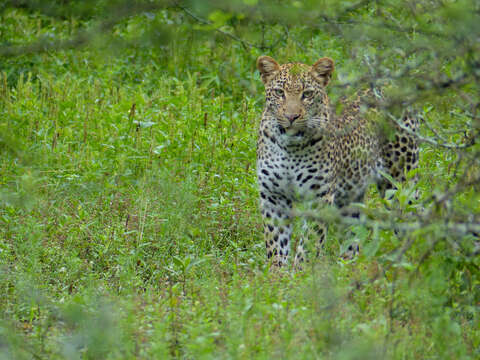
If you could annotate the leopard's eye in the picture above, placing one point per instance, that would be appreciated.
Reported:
(279, 92)
(307, 94)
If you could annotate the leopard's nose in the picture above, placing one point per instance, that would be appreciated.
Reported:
(292, 117)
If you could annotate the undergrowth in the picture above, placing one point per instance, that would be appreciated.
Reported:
(130, 229)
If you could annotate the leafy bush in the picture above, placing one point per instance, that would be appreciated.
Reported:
(128, 203)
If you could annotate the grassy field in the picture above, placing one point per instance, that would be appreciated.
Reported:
(129, 223)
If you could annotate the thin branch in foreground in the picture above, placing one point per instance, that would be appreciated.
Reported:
(45, 45)
(461, 228)
(429, 140)
(245, 44)
(82, 38)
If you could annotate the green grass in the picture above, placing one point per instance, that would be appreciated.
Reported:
(129, 225)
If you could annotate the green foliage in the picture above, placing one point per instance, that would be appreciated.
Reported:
(129, 225)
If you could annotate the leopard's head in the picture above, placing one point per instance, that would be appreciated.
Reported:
(295, 92)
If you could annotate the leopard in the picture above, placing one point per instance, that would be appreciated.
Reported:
(306, 153)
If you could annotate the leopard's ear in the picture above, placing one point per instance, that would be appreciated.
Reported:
(323, 69)
(267, 67)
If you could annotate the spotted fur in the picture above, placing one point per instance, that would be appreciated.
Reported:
(305, 153)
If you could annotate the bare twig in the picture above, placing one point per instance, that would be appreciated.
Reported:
(430, 141)
(244, 43)
(82, 38)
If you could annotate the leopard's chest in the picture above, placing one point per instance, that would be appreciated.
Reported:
(297, 173)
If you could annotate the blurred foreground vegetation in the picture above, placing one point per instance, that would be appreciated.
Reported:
(129, 225)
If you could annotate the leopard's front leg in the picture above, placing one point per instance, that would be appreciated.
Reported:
(276, 213)
(316, 231)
